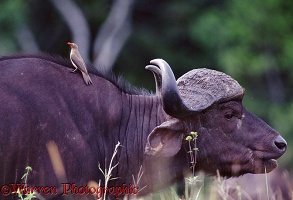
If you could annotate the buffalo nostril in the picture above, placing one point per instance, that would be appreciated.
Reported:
(280, 143)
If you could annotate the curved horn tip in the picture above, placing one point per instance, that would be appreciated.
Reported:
(153, 68)
(150, 67)
(157, 61)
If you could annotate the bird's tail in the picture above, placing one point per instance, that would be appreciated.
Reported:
(86, 78)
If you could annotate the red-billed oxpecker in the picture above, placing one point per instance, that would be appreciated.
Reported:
(78, 63)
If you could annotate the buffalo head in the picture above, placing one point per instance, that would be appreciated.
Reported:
(230, 139)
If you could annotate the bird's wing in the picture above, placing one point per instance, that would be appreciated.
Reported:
(78, 61)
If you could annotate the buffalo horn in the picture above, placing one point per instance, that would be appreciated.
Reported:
(167, 88)
(158, 77)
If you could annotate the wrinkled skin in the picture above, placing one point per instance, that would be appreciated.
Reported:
(230, 139)
(41, 102)
(249, 144)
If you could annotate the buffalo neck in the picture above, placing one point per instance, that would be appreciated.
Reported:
(140, 114)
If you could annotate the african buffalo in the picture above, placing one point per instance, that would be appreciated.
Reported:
(42, 103)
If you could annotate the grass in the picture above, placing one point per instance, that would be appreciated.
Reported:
(197, 186)
(202, 187)
(23, 194)
(107, 173)
(192, 149)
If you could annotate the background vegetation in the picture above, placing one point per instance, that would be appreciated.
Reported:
(250, 40)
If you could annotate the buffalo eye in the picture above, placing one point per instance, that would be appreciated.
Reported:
(229, 116)
(231, 110)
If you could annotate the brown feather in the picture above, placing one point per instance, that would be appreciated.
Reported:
(77, 60)
(78, 63)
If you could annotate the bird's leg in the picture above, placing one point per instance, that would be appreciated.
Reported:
(73, 71)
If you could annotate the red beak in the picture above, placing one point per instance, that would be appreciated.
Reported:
(70, 44)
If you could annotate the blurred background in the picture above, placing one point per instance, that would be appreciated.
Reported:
(250, 40)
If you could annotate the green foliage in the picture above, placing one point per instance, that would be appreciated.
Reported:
(188, 138)
(26, 195)
(281, 118)
(12, 15)
(191, 138)
(242, 35)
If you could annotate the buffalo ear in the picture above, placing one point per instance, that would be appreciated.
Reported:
(165, 140)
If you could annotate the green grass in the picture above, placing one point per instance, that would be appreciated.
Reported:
(22, 194)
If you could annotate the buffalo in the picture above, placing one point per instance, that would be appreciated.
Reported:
(42, 104)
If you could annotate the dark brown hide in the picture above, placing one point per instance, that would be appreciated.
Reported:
(42, 103)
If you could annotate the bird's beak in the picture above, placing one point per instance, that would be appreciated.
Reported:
(70, 44)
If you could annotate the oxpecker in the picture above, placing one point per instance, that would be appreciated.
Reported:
(78, 63)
